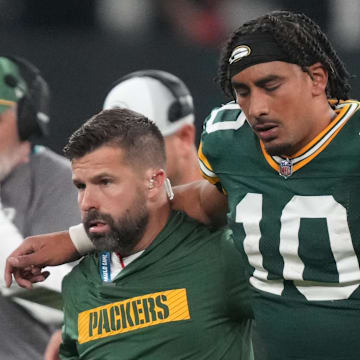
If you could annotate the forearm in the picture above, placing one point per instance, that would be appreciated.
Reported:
(38, 252)
(201, 201)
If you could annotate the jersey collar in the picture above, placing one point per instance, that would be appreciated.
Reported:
(344, 110)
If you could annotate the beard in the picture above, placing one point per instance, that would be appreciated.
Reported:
(284, 149)
(124, 233)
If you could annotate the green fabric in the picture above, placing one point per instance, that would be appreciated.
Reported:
(300, 235)
(185, 257)
(43, 296)
(8, 92)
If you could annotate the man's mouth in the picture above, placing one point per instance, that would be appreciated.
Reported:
(97, 226)
(266, 132)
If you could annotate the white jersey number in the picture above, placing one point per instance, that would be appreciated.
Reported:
(249, 213)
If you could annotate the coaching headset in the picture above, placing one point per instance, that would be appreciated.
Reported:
(181, 106)
(33, 106)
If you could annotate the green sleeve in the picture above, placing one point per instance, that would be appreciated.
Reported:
(237, 290)
(68, 347)
(235, 279)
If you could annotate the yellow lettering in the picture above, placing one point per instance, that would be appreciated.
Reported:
(114, 321)
(160, 302)
(93, 322)
(133, 314)
(152, 309)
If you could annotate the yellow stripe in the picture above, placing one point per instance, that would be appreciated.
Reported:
(7, 102)
(323, 133)
(204, 160)
(302, 163)
(268, 158)
(305, 161)
(133, 314)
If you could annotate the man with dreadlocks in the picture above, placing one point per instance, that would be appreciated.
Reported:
(285, 155)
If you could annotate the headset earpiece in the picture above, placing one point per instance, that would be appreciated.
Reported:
(33, 106)
(182, 105)
(175, 111)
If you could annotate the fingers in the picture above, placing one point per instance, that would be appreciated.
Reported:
(37, 259)
(8, 276)
(26, 278)
(15, 265)
(39, 251)
(12, 262)
(22, 258)
(22, 281)
(23, 268)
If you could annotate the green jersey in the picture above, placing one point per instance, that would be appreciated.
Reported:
(177, 300)
(297, 223)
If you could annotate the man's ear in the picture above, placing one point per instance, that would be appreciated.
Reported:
(187, 134)
(319, 76)
(155, 181)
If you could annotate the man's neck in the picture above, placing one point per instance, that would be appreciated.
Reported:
(192, 172)
(158, 218)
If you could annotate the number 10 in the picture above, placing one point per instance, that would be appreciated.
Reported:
(249, 213)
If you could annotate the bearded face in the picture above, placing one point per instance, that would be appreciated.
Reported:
(120, 235)
(113, 197)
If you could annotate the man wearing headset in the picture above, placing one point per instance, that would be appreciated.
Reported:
(32, 180)
(166, 100)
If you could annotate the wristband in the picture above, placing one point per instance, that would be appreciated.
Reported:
(80, 239)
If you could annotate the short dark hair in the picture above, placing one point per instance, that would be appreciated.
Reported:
(127, 129)
(303, 41)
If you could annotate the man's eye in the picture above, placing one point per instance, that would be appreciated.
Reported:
(105, 181)
(80, 186)
(272, 87)
(241, 94)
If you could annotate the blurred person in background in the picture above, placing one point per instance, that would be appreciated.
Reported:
(36, 196)
(166, 100)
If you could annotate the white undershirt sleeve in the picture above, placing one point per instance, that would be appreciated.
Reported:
(80, 239)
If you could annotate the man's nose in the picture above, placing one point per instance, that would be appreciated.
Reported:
(87, 200)
(259, 105)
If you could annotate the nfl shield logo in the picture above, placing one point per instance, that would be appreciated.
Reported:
(286, 168)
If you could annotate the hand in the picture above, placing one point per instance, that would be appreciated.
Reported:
(53, 346)
(36, 252)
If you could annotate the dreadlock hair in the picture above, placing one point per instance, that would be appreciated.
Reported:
(303, 41)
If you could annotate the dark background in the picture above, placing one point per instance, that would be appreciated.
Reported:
(83, 46)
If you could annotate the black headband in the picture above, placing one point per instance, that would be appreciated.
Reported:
(252, 49)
